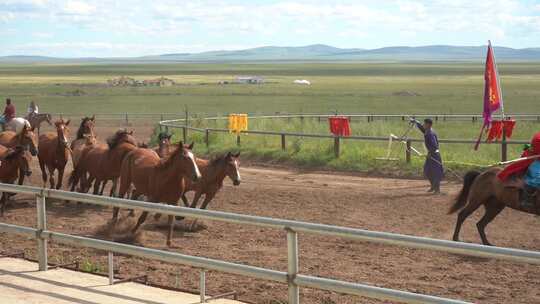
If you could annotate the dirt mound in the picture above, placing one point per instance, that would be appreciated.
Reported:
(406, 93)
(121, 231)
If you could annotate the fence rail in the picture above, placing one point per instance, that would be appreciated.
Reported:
(292, 278)
(337, 139)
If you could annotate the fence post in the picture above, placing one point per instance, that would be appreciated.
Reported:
(110, 266)
(202, 286)
(336, 146)
(207, 137)
(41, 201)
(283, 146)
(238, 140)
(127, 120)
(408, 151)
(292, 266)
(184, 134)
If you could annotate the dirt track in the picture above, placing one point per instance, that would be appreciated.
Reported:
(391, 205)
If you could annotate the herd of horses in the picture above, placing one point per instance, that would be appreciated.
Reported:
(167, 172)
(163, 174)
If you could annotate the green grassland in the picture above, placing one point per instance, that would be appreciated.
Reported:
(347, 87)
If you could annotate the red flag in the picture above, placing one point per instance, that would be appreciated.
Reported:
(492, 91)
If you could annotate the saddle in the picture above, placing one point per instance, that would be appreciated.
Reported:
(516, 182)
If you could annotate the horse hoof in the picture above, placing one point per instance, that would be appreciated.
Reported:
(169, 244)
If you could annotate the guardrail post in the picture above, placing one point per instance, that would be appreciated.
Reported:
(202, 286)
(41, 201)
(336, 146)
(283, 146)
(207, 137)
(408, 151)
(292, 266)
(110, 267)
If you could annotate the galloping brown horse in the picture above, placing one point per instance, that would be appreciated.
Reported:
(26, 138)
(213, 173)
(13, 161)
(36, 120)
(103, 163)
(54, 153)
(486, 189)
(85, 137)
(160, 180)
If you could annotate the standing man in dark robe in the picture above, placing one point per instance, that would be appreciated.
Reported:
(433, 167)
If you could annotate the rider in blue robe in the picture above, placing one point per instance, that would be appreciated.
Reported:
(433, 167)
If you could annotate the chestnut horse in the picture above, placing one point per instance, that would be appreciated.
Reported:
(85, 138)
(161, 180)
(213, 173)
(54, 153)
(13, 161)
(103, 163)
(26, 138)
(486, 189)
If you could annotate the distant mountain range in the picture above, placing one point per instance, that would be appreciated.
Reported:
(316, 52)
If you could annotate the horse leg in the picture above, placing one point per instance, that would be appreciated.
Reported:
(21, 176)
(196, 199)
(97, 182)
(141, 220)
(134, 196)
(43, 172)
(51, 176)
(463, 215)
(185, 200)
(2, 204)
(113, 188)
(103, 184)
(207, 199)
(60, 178)
(493, 208)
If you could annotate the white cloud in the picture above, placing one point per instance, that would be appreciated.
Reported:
(78, 8)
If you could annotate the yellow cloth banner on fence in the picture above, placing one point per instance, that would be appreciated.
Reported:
(238, 123)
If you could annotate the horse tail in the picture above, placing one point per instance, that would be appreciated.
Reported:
(461, 199)
(125, 175)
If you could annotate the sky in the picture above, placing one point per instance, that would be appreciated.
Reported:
(119, 28)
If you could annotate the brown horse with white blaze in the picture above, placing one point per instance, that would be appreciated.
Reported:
(12, 162)
(161, 180)
(213, 173)
(487, 190)
(103, 163)
(54, 153)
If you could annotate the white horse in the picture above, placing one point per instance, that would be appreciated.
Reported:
(16, 125)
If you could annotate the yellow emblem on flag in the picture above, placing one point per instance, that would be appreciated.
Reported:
(238, 123)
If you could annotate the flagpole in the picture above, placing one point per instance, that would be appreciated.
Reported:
(499, 88)
(504, 147)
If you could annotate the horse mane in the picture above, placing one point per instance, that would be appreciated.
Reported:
(80, 132)
(216, 160)
(116, 139)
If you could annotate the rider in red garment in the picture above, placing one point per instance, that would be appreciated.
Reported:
(9, 113)
(520, 167)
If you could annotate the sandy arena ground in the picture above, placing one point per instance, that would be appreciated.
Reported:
(382, 204)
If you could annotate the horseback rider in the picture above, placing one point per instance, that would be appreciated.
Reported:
(32, 110)
(433, 167)
(530, 170)
(9, 114)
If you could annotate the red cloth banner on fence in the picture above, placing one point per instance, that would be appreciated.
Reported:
(339, 126)
(496, 129)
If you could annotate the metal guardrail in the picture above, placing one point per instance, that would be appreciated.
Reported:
(292, 278)
(337, 139)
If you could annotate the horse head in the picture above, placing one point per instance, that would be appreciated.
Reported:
(121, 136)
(27, 139)
(23, 159)
(185, 160)
(232, 167)
(62, 131)
(86, 127)
(48, 119)
(164, 140)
